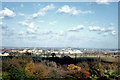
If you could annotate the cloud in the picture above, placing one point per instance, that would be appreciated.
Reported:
(73, 38)
(105, 31)
(3, 26)
(45, 32)
(102, 2)
(111, 24)
(53, 22)
(113, 32)
(23, 23)
(110, 28)
(41, 21)
(6, 31)
(21, 14)
(1, 23)
(36, 5)
(33, 29)
(7, 13)
(95, 28)
(101, 29)
(25, 35)
(72, 10)
(43, 11)
(105, 34)
(62, 33)
(22, 5)
(79, 27)
(48, 7)
(21, 33)
(40, 13)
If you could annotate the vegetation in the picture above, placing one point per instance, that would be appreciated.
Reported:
(23, 67)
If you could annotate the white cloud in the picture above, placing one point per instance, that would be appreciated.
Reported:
(35, 15)
(3, 26)
(62, 33)
(6, 30)
(22, 5)
(7, 13)
(48, 7)
(21, 33)
(113, 32)
(28, 17)
(41, 21)
(79, 27)
(45, 32)
(72, 10)
(21, 14)
(110, 28)
(105, 34)
(23, 23)
(104, 31)
(102, 2)
(53, 22)
(111, 24)
(33, 29)
(86, 12)
(1, 23)
(43, 11)
(13, 8)
(95, 28)
(65, 9)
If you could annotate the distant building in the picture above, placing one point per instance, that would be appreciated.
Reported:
(66, 51)
(4, 53)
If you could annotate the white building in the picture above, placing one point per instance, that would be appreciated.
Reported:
(4, 53)
(67, 51)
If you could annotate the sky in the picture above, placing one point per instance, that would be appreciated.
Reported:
(59, 24)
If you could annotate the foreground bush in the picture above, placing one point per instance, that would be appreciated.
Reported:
(36, 71)
(14, 74)
(23, 68)
(73, 67)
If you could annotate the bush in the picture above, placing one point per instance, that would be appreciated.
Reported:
(82, 75)
(73, 67)
(5, 76)
(36, 70)
(14, 74)
(84, 66)
(18, 62)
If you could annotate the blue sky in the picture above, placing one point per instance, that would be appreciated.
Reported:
(52, 24)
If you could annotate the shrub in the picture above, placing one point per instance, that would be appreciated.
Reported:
(52, 64)
(82, 75)
(49, 63)
(54, 73)
(18, 62)
(29, 69)
(36, 71)
(5, 76)
(40, 71)
(84, 66)
(6, 64)
(73, 67)
(15, 74)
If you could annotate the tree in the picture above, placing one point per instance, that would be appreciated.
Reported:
(16, 74)
(36, 71)
(53, 54)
